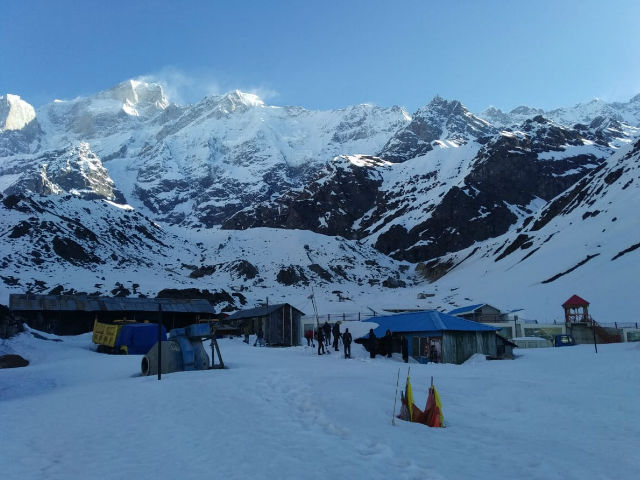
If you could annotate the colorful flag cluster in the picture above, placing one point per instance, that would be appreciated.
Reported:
(431, 416)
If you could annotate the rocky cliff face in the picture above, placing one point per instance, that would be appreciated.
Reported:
(76, 170)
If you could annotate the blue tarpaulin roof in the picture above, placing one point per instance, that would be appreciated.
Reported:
(427, 321)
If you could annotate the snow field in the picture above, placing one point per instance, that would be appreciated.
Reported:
(287, 413)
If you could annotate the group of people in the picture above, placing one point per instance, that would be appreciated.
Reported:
(385, 344)
(323, 336)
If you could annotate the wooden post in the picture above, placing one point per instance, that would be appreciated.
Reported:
(159, 341)
(595, 345)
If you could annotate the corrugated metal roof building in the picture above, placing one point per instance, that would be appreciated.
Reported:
(438, 337)
(280, 323)
(74, 314)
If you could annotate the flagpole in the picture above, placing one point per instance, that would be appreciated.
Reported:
(395, 399)
(409, 397)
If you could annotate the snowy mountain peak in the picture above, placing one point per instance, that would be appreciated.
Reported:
(137, 97)
(528, 111)
(15, 113)
(248, 99)
(442, 105)
(235, 101)
(440, 122)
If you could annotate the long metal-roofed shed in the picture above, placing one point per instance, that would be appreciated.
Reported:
(74, 314)
(280, 323)
(438, 337)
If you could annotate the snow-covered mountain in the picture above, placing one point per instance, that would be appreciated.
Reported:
(440, 123)
(586, 238)
(583, 113)
(440, 201)
(250, 200)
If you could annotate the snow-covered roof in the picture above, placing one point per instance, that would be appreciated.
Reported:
(467, 309)
(426, 321)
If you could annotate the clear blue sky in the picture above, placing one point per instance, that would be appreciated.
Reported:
(328, 54)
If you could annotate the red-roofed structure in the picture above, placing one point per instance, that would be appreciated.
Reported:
(576, 301)
(576, 309)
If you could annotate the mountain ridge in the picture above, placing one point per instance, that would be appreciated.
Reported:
(391, 195)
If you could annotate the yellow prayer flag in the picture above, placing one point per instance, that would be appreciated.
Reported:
(409, 395)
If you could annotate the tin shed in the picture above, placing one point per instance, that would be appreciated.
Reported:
(75, 314)
(279, 322)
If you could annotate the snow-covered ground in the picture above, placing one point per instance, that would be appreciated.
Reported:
(564, 413)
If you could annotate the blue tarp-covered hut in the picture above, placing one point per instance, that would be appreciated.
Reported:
(438, 337)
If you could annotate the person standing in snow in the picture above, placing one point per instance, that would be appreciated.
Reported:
(372, 343)
(320, 341)
(346, 341)
(259, 338)
(336, 336)
(404, 349)
(245, 330)
(387, 341)
(327, 333)
(433, 353)
(308, 334)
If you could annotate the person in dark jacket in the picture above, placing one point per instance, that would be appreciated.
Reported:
(320, 341)
(336, 336)
(346, 341)
(259, 338)
(404, 343)
(327, 333)
(388, 343)
(372, 343)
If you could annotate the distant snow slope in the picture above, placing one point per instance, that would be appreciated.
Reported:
(585, 240)
(289, 414)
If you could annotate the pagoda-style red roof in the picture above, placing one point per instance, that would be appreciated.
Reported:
(576, 301)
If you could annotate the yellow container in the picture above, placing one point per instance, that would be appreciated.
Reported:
(105, 334)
